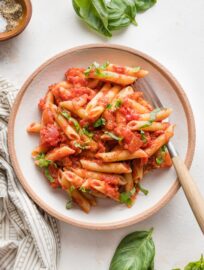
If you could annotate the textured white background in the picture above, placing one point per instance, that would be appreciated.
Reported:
(173, 33)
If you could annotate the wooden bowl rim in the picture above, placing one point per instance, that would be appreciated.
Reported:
(15, 32)
(129, 221)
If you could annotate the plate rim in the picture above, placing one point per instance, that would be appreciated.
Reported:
(129, 221)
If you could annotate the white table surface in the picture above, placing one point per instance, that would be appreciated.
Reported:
(173, 33)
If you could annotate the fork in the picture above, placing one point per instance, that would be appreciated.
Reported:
(190, 188)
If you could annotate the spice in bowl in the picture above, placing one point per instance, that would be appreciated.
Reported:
(11, 13)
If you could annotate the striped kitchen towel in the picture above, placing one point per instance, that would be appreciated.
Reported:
(29, 238)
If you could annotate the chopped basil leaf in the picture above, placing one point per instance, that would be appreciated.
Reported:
(83, 189)
(118, 103)
(86, 131)
(136, 69)
(75, 122)
(148, 123)
(42, 162)
(164, 148)
(69, 203)
(143, 137)
(66, 115)
(105, 65)
(159, 160)
(48, 175)
(143, 190)
(113, 136)
(72, 188)
(95, 66)
(100, 122)
(78, 145)
(108, 106)
(125, 197)
(153, 114)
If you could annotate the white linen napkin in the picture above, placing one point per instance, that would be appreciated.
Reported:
(29, 238)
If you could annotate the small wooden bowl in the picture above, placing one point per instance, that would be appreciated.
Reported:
(27, 12)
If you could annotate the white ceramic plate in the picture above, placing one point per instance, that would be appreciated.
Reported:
(162, 184)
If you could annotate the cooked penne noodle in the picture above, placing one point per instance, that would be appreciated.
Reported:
(130, 184)
(89, 197)
(120, 155)
(135, 71)
(146, 125)
(96, 107)
(59, 153)
(81, 112)
(116, 168)
(160, 141)
(109, 76)
(161, 115)
(109, 178)
(39, 149)
(66, 127)
(137, 106)
(137, 170)
(93, 83)
(49, 99)
(34, 128)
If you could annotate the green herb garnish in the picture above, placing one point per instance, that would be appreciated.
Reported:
(42, 162)
(66, 115)
(71, 119)
(78, 145)
(159, 160)
(113, 136)
(108, 106)
(83, 189)
(118, 103)
(153, 114)
(48, 175)
(72, 188)
(199, 265)
(125, 197)
(143, 137)
(148, 124)
(100, 122)
(143, 190)
(85, 131)
(136, 69)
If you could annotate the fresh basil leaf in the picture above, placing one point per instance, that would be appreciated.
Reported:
(143, 137)
(121, 14)
(113, 136)
(143, 5)
(118, 103)
(199, 265)
(83, 189)
(148, 124)
(69, 203)
(159, 160)
(108, 106)
(86, 131)
(66, 115)
(48, 175)
(135, 252)
(100, 122)
(94, 13)
(153, 114)
(125, 197)
(78, 145)
(143, 190)
(136, 69)
(42, 162)
(72, 188)
(164, 148)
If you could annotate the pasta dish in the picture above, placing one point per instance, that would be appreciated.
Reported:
(99, 136)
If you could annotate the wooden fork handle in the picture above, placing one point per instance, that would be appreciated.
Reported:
(190, 188)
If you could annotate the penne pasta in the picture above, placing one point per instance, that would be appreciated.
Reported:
(115, 168)
(135, 71)
(137, 170)
(119, 155)
(161, 115)
(34, 128)
(160, 140)
(59, 153)
(109, 178)
(81, 112)
(39, 149)
(137, 106)
(146, 125)
(109, 76)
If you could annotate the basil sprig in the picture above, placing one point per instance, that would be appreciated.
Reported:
(135, 252)
(199, 265)
(113, 136)
(107, 16)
